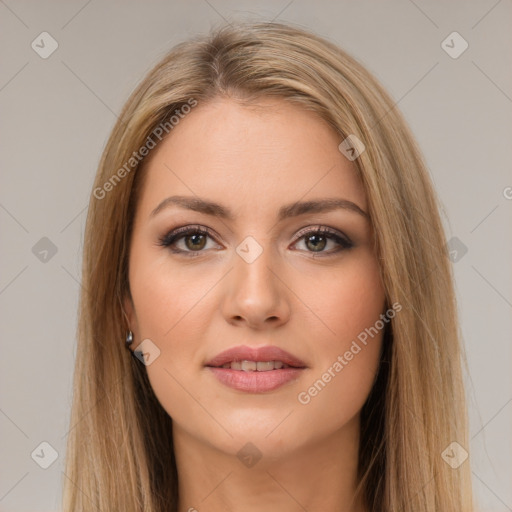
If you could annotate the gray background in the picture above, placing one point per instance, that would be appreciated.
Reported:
(56, 116)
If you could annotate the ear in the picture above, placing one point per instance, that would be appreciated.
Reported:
(129, 311)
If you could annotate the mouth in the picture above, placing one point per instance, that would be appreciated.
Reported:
(256, 370)
(255, 366)
(260, 359)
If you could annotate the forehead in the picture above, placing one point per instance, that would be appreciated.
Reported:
(250, 157)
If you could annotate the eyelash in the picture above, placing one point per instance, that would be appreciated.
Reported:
(172, 237)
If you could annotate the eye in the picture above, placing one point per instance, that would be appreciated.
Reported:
(317, 239)
(195, 240)
(193, 236)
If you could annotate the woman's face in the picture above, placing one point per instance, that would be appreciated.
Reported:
(256, 180)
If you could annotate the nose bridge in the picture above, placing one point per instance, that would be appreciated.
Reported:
(256, 292)
(253, 263)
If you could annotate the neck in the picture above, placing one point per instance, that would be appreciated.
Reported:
(319, 476)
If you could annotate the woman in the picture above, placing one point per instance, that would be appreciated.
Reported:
(264, 235)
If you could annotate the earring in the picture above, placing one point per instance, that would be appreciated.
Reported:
(129, 339)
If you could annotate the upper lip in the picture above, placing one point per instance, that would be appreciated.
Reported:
(245, 353)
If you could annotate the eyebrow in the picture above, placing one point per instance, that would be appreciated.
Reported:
(290, 210)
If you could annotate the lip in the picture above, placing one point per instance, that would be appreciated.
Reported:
(256, 381)
(245, 353)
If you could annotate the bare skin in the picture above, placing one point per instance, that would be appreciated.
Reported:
(310, 297)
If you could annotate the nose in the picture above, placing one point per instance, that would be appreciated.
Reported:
(255, 292)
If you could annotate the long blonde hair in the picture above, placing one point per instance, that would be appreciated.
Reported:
(120, 452)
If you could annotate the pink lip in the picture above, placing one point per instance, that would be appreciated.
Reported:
(255, 381)
(245, 353)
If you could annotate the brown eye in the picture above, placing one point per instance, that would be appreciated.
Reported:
(194, 237)
(316, 241)
(197, 241)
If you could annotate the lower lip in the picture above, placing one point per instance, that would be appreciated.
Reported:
(254, 381)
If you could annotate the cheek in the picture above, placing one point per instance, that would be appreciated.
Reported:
(347, 353)
(344, 301)
(170, 303)
(166, 296)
